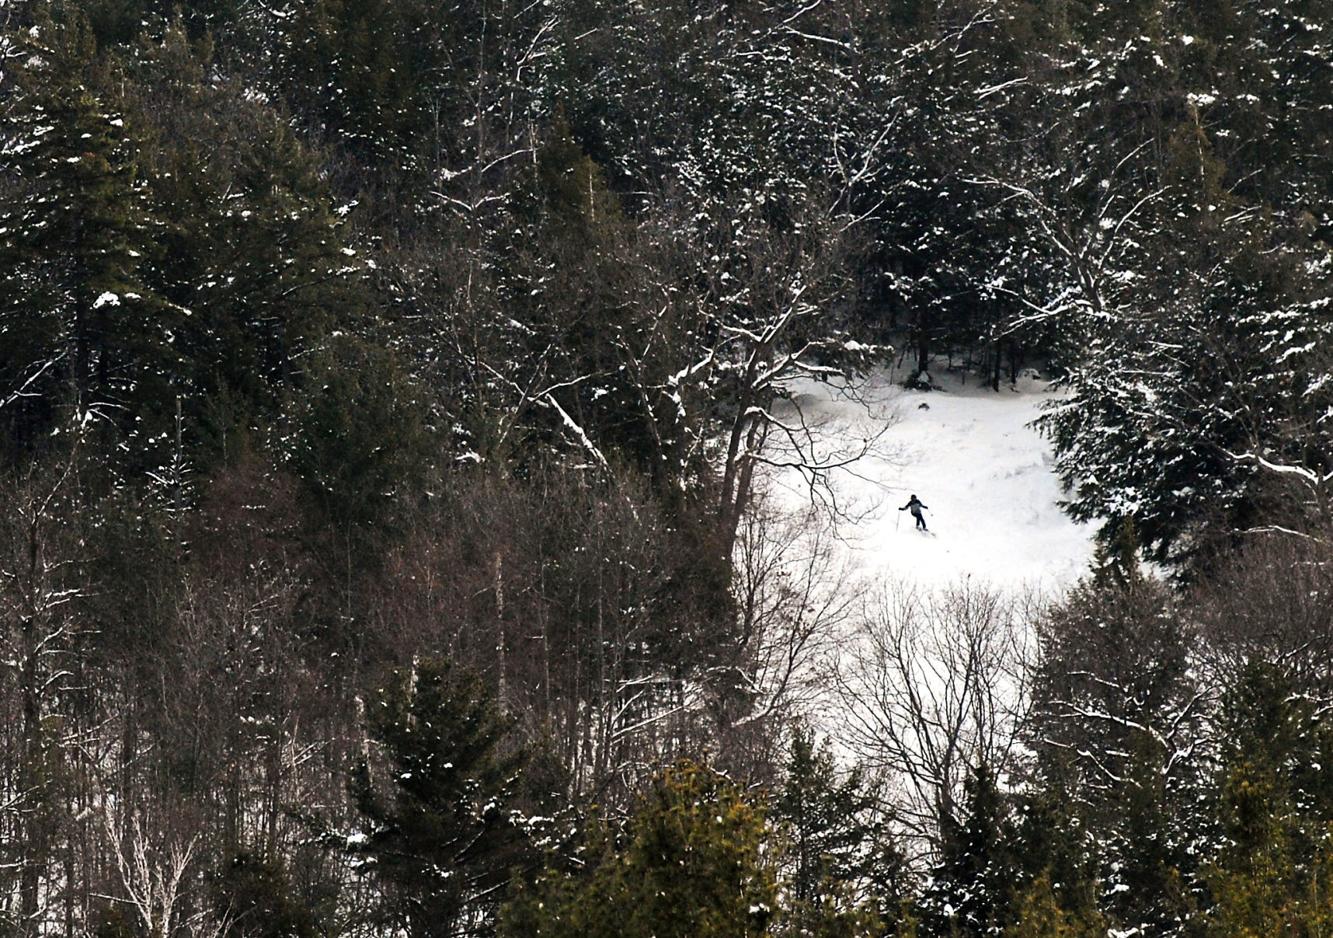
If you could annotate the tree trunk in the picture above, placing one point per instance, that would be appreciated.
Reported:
(30, 827)
(922, 347)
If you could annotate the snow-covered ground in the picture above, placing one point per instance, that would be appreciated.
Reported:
(970, 455)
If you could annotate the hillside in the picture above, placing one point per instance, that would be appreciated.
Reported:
(441, 495)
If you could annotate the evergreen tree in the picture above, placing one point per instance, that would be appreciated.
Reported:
(971, 886)
(360, 446)
(1192, 299)
(353, 71)
(254, 896)
(688, 864)
(83, 339)
(1270, 872)
(1059, 856)
(844, 869)
(1038, 914)
(1115, 711)
(441, 831)
(251, 246)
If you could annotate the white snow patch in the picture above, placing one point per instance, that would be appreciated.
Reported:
(972, 457)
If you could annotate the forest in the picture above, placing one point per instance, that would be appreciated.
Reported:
(388, 394)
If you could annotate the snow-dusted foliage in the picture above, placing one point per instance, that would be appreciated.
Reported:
(362, 360)
(1189, 284)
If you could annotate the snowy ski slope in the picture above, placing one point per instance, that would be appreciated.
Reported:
(970, 456)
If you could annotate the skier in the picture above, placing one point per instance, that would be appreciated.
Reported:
(915, 505)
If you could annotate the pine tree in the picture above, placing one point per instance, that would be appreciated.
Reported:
(255, 897)
(1059, 856)
(1271, 870)
(251, 246)
(970, 892)
(844, 870)
(1038, 914)
(687, 865)
(1195, 335)
(440, 830)
(1115, 709)
(83, 339)
(360, 447)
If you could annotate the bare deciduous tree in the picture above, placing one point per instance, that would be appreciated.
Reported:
(932, 684)
(39, 584)
(154, 874)
(794, 599)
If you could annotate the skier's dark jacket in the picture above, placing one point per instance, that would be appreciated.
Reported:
(915, 505)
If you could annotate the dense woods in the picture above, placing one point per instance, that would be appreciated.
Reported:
(387, 390)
